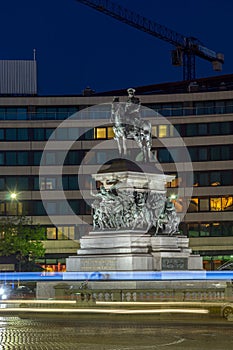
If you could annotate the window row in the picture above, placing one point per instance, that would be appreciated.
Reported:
(103, 112)
(43, 134)
(40, 113)
(197, 154)
(75, 182)
(202, 179)
(76, 133)
(198, 108)
(207, 204)
(216, 229)
(36, 207)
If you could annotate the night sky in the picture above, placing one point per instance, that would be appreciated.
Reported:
(77, 46)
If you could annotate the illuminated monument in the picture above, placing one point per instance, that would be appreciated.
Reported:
(135, 226)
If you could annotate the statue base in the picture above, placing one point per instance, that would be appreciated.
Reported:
(128, 251)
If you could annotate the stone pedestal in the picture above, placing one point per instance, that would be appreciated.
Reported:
(135, 227)
(173, 253)
(114, 251)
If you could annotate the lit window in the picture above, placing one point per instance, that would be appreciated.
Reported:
(227, 203)
(215, 204)
(51, 232)
(154, 131)
(193, 206)
(101, 133)
(110, 132)
(163, 130)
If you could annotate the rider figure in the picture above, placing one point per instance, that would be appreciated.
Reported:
(132, 111)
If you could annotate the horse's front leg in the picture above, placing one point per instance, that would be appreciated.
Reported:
(124, 145)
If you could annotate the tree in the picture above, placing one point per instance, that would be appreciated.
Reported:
(21, 240)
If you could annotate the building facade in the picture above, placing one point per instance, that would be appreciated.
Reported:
(202, 114)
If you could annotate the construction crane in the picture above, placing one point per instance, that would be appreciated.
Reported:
(186, 48)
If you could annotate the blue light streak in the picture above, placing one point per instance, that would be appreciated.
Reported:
(117, 276)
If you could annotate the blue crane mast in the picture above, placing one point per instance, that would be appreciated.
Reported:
(186, 48)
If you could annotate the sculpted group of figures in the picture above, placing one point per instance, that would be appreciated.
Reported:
(133, 209)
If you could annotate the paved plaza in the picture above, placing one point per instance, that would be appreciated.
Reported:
(89, 334)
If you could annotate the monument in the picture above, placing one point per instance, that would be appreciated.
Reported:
(135, 225)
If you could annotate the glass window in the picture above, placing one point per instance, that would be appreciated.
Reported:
(2, 113)
(229, 106)
(49, 134)
(2, 158)
(89, 135)
(215, 178)
(203, 179)
(101, 133)
(36, 183)
(202, 153)
(164, 156)
(226, 128)
(65, 182)
(51, 232)
(22, 183)
(11, 158)
(204, 204)
(154, 131)
(101, 157)
(22, 134)
(51, 208)
(14, 208)
(219, 107)
(48, 183)
(2, 183)
(11, 134)
(11, 183)
(62, 134)
(2, 208)
(193, 230)
(11, 113)
(163, 131)
(199, 108)
(227, 203)
(22, 158)
(193, 206)
(73, 133)
(39, 208)
(38, 134)
(22, 113)
(2, 135)
(215, 204)
(73, 182)
(215, 153)
(226, 152)
(50, 158)
(37, 157)
(110, 133)
(214, 128)
(191, 129)
(202, 129)
(204, 229)
(216, 229)
(227, 177)
(193, 153)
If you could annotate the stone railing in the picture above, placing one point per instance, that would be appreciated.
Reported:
(64, 291)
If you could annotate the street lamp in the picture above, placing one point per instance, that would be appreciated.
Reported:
(13, 195)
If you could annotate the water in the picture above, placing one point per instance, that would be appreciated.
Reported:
(88, 333)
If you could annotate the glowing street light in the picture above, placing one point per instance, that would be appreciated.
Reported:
(13, 195)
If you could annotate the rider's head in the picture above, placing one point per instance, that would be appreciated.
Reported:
(131, 91)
